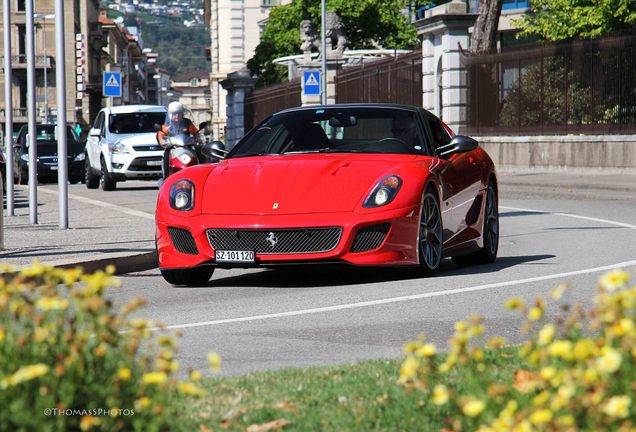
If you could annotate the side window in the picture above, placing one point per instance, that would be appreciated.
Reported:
(99, 121)
(439, 134)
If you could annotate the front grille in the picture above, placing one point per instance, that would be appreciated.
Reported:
(276, 241)
(154, 147)
(370, 237)
(141, 164)
(183, 241)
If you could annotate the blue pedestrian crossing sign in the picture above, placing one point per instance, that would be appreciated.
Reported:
(112, 84)
(311, 83)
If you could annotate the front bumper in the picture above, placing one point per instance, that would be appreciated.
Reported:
(398, 248)
(144, 165)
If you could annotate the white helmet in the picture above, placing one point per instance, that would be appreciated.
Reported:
(175, 108)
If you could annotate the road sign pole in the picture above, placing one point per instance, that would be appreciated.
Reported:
(33, 150)
(60, 81)
(8, 105)
(323, 78)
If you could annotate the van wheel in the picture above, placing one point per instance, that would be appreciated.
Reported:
(90, 178)
(106, 179)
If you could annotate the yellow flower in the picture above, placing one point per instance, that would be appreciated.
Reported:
(154, 378)
(88, 422)
(546, 334)
(558, 292)
(535, 314)
(473, 408)
(584, 348)
(548, 372)
(514, 303)
(190, 389)
(143, 402)
(617, 406)
(540, 417)
(540, 399)
(124, 374)
(195, 375)
(215, 361)
(440, 395)
(51, 303)
(26, 373)
(614, 280)
(623, 327)
(561, 348)
(100, 350)
(461, 326)
(427, 350)
(411, 347)
(409, 367)
(610, 360)
(523, 426)
(166, 341)
(566, 420)
(2, 333)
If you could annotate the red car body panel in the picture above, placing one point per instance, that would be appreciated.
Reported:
(327, 190)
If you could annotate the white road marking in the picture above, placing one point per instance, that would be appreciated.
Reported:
(116, 207)
(570, 215)
(400, 299)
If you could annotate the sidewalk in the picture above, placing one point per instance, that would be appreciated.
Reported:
(108, 234)
(97, 235)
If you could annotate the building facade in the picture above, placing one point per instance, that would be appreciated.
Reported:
(82, 46)
(195, 93)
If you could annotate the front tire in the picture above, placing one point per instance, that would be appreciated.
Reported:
(106, 180)
(430, 234)
(490, 233)
(90, 178)
(191, 277)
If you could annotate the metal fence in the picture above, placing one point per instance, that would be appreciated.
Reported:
(392, 80)
(261, 103)
(566, 88)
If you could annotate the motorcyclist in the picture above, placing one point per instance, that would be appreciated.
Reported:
(174, 125)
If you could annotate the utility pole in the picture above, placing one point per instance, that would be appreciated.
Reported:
(8, 105)
(31, 142)
(60, 81)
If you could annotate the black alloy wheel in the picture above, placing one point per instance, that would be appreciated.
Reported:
(90, 178)
(490, 233)
(430, 242)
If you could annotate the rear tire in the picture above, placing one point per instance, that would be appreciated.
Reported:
(106, 180)
(430, 241)
(191, 277)
(490, 233)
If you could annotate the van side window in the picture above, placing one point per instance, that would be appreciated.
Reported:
(99, 122)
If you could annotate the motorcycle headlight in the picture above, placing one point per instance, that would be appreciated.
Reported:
(119, 148)
(79, 157)
(384, 192)
(184, 158)
(182, 195)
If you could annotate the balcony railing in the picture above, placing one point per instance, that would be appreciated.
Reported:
(20, 61)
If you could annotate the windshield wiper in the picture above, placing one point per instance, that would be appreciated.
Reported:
(337, 150)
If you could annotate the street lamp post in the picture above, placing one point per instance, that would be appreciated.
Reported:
(46, 72)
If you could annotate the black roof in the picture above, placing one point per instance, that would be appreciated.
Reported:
(352, 105)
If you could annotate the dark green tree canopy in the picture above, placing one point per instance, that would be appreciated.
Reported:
(556, 20)
(365, 22)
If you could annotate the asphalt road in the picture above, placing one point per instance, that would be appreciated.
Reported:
(268, 319)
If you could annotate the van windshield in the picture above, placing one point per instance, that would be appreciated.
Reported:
(139, 122)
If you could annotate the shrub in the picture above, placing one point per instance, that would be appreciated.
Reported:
(580, 373)
(69, 360)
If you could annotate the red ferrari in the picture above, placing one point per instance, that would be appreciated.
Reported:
(368, 185)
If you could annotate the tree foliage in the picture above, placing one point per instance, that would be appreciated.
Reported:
(367, 23)
(555, 20)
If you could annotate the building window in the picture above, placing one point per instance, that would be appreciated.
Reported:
(194, 82)
(515, 4)
(20, 5)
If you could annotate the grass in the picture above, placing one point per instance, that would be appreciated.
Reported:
(363, 396)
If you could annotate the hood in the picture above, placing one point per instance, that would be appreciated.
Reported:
(136, 139)
(307, 183)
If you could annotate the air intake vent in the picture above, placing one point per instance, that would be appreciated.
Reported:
(183, 241)
(370, 237)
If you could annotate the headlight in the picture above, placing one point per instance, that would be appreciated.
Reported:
(184, 158)
(182, 195)
(384, 192)
(119, 148)
(24, 157)
(80, 157)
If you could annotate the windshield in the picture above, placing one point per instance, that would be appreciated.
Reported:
(139, 122)
(338, 130)
(47, 144)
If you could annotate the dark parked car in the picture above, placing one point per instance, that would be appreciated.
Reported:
(47, 155)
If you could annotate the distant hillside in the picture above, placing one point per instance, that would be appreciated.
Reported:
(180, 48)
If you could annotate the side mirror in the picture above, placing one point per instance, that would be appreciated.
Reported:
(459, 144)
(203, 125)
(214, 150)
(95, 133)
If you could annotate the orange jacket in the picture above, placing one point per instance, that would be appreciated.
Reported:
(188, 129)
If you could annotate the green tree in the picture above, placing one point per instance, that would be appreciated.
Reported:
(367, 23)
(555, 20)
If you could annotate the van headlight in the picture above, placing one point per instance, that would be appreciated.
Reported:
(384, 192)
(119, 148)
(182, 195)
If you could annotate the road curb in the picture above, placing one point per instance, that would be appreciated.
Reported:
(123, 264)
